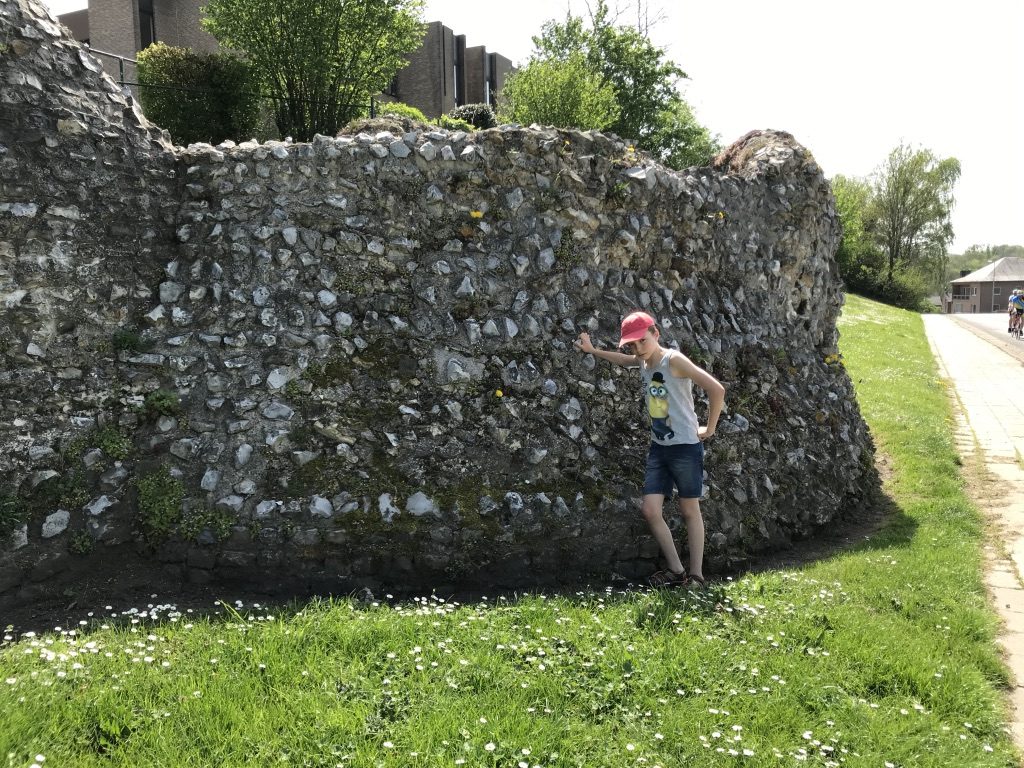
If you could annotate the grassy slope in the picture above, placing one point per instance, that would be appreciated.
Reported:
(879, 656)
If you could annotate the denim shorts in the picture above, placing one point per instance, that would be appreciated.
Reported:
(679, 465)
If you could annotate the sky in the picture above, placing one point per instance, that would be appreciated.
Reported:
(850, 80)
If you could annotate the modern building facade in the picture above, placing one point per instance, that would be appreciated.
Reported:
(987, 289)
(122, 28)
(442, 73)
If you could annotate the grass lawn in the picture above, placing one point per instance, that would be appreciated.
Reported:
(882, 656)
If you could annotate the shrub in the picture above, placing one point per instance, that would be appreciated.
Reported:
(478, 115)
(403, 110)
(454, 124)
(197, 96)
(908, 289)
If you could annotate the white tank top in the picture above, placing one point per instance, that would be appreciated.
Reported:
(669, 403)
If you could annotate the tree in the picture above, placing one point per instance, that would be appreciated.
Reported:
(565, 93)
(651, 112)
(321, 60)
(858, 256)
(913, 199)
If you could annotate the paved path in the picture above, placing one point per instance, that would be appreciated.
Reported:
(985, 367)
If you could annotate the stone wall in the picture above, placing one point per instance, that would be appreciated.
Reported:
(350, 362)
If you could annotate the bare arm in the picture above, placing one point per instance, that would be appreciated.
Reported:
(685, 368)
(583, 344)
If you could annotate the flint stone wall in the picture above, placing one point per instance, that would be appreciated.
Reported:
(353, 358)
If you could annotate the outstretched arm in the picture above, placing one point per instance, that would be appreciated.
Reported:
(684, 367)
(583, 344)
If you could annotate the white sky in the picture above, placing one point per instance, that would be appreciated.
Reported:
(850, 80)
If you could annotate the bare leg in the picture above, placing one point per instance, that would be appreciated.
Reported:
(694, 534)
(652, 511)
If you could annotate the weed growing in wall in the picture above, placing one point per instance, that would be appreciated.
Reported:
(160, 497)
(217, 520)
(81, 543)
(113, 443)
(161, 402)
(66, 491)
(129, 341)
(12, 514)
(567, 254)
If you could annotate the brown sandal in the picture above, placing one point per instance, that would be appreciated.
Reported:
(667, 578)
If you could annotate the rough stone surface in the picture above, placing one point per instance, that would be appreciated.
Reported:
(369, 340)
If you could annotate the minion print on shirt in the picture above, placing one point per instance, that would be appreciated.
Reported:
(657, 407)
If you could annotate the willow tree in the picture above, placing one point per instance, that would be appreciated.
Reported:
(319, 60)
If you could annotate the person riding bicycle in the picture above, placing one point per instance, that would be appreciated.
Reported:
(1016, 309)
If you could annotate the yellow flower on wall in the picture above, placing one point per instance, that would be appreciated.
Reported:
(476, 214)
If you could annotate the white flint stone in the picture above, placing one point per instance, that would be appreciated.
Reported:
(97, 506)
(233, 503)
(242, 455)
(571, 410)
(56, 524)
(265, 508)
(388, 511)
(465, 287)
(342, 321)
(419, 505)
(211, 478)
(278, 410)
(321, 507)
(261, 296)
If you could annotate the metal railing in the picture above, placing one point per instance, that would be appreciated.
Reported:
(132, 86)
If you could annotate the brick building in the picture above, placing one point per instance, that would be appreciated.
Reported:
(987, 289)
(442, 73)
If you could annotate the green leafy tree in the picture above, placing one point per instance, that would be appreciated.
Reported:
(321, 60)
(198, 96)
(858, 255)
(565, 93)
(651, 110)
(913, 200)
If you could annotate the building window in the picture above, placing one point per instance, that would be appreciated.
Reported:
(974, 290)
(996, 290)
(147, 27)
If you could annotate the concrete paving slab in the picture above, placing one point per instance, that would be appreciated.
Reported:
(984, 366)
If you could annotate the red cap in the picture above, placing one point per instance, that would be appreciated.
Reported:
(634, 326)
